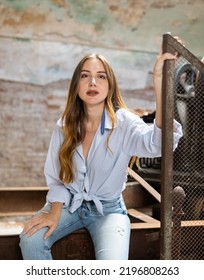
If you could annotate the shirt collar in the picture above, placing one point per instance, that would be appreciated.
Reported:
(108, 123)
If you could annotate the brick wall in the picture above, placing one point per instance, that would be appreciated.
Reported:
(28, 114)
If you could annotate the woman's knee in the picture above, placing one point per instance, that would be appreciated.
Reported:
(32, 246)
(111, 237)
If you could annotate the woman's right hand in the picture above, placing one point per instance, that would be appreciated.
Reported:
(44, 219)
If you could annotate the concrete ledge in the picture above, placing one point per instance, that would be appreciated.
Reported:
(10, 228)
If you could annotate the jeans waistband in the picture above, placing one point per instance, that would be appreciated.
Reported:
(105, 203)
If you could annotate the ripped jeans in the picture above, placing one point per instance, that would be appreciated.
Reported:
(110, 232)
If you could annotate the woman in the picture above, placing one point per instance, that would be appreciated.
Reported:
(87, 161)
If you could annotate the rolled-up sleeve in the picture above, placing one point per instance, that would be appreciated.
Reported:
(144, 140)
(57, 190)
(177, 134)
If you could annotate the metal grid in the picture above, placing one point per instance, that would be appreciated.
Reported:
(182, 184)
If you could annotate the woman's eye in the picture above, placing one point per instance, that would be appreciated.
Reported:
(102, 77)
(83, 75)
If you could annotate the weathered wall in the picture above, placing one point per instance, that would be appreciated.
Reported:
(42, 41)
(127, 24)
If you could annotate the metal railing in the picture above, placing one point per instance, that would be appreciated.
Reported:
(182, 172)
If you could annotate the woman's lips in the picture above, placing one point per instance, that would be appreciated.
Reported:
(92, 92)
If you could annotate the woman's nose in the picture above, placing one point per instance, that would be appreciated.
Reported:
(92, 81)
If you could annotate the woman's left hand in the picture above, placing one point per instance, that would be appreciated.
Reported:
(158, 74)
(158, 67)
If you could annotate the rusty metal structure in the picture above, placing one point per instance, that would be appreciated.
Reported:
(182, 172)
(176, 180)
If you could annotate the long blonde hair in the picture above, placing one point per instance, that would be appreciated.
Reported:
(75, 113)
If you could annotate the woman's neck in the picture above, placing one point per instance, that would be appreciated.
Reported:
(93, 118)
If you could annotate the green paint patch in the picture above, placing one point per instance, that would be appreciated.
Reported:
(89, 12)
(19, 4)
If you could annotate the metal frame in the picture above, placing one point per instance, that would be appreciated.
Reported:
(170, 44)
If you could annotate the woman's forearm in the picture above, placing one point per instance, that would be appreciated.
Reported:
(56, 208)
(158, 75)
(158, 96)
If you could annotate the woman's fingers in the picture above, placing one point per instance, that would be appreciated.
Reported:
(36, 223)
(30, 224)
(179, 40)
(35, 229)
(49, 232)
(39, 221)
(160, 61)
(166, 55)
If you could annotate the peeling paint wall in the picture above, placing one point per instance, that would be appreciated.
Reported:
(42, 41)
(127, 24)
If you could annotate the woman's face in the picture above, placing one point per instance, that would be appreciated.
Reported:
(93, 83)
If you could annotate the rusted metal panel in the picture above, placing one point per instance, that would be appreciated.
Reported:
(183, 98)
(177, 203)
(167, 155)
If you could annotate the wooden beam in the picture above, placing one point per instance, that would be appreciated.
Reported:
(17, 214)
(147, 186)
(139, 226)
(141, 216)
(192, 223)
(156, 225)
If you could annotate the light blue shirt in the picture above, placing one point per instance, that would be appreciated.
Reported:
(104, 174)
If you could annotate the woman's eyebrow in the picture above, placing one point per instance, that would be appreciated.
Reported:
(84, 70)
(103, 72)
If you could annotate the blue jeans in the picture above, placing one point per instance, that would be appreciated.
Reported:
(110, 232)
